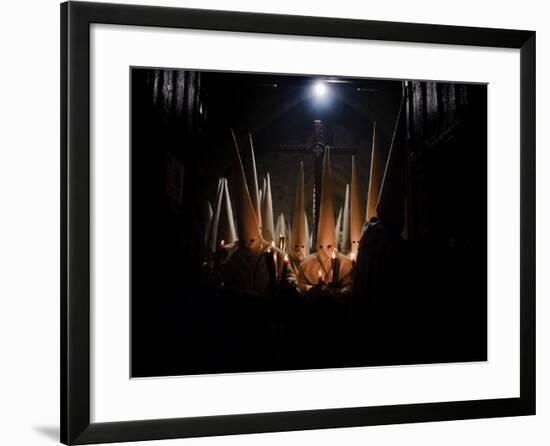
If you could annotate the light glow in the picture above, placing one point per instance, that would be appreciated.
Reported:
(320, 89)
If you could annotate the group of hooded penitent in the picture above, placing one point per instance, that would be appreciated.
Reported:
(242, 224)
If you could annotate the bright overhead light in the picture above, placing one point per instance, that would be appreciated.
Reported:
(320, 89)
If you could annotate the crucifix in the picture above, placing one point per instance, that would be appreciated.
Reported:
(317, 150)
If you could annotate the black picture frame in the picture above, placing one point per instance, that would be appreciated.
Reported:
(76, 18)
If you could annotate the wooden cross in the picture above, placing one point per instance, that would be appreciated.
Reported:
(317, 149)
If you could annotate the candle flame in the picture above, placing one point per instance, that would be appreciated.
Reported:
(222, 243)
(320, 274)
(352, 256)
(286, 258)
(334, 254)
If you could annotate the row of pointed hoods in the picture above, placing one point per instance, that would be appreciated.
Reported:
(353, 215)
(385, 198)
(254, 222)
(385, 190)
(249, 205)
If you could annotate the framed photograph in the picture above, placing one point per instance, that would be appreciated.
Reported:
(275, 223)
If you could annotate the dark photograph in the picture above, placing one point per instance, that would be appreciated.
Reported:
(294, 222)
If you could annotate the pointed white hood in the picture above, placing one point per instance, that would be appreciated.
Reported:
(357, 212)
(262, 196)
(226, 225)
(298, 238)
(308, 237)
(345, 244)
(326, 240)
(254, 191)
(248, 228)
(213, 230)
(280, 228)
(393, 189)
(268, 230)
(338, 231)
(375, 178)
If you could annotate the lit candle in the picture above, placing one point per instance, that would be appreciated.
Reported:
(220, 254)
(285, 267)
(352, 258)
(320, 278)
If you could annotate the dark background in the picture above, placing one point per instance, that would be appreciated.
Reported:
(436, 312)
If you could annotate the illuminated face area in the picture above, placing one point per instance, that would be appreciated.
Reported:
(253, 245)
(299, 251)
(325, 251)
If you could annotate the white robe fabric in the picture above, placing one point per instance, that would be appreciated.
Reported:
(308, 274)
